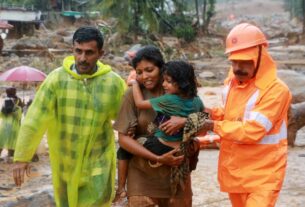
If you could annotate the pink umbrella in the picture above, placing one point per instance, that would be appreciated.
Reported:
(22, 74)
(5, 25)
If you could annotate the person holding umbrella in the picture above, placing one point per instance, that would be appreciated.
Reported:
(75, 105)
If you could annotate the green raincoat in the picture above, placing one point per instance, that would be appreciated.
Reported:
(76, 110)
(9, 127)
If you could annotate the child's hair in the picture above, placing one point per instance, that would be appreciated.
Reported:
(183, 75)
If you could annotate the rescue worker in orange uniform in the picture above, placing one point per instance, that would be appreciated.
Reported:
(252, 123)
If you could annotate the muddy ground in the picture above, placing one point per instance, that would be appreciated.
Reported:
(37, 190)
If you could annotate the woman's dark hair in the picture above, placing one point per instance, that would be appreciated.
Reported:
(183, 75)
(151, 54)
(86, 34)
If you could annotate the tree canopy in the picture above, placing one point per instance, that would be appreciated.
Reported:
(183, 18)
(161, 16)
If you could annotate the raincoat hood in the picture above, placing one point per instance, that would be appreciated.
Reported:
(266, 73)
(101, 69)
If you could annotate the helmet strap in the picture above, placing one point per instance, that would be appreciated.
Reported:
(258, 60)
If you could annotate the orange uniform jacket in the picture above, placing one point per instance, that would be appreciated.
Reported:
(253, 130)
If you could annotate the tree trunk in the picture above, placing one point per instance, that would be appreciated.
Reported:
(290, 7)
(1, 45)
(162, 19)
(296, 120)
(204, 10)
(136, 20)
(303, 15)
(197, 12)
(293, 8)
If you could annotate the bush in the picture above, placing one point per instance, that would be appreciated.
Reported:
(185, 32)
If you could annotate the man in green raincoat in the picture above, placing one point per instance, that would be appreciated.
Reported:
(75, 104)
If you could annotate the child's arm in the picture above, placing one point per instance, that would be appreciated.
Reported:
(138, 97)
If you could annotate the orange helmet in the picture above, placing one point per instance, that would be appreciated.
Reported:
(243, 36)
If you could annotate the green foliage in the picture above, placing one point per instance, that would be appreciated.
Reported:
(168, 51)
(132, 15)
(211, 8)
(207, 13)
(186, 32)
(37, 4)
(145, 16)
(181, 26)
(295, 8)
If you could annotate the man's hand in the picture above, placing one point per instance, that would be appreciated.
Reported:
(173, 125)
(170, 158)
(19, 168)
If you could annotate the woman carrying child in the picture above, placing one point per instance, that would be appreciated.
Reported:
(180, 100)
(147, 185)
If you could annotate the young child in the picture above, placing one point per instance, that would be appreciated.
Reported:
(181, 99)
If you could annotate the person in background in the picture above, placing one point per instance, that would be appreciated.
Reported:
(75, 105)
(11, 113)
(252, 124)
(128, 56)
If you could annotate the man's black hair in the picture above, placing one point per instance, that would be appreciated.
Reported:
(86, 34)
(183, 75)
(149, 53)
